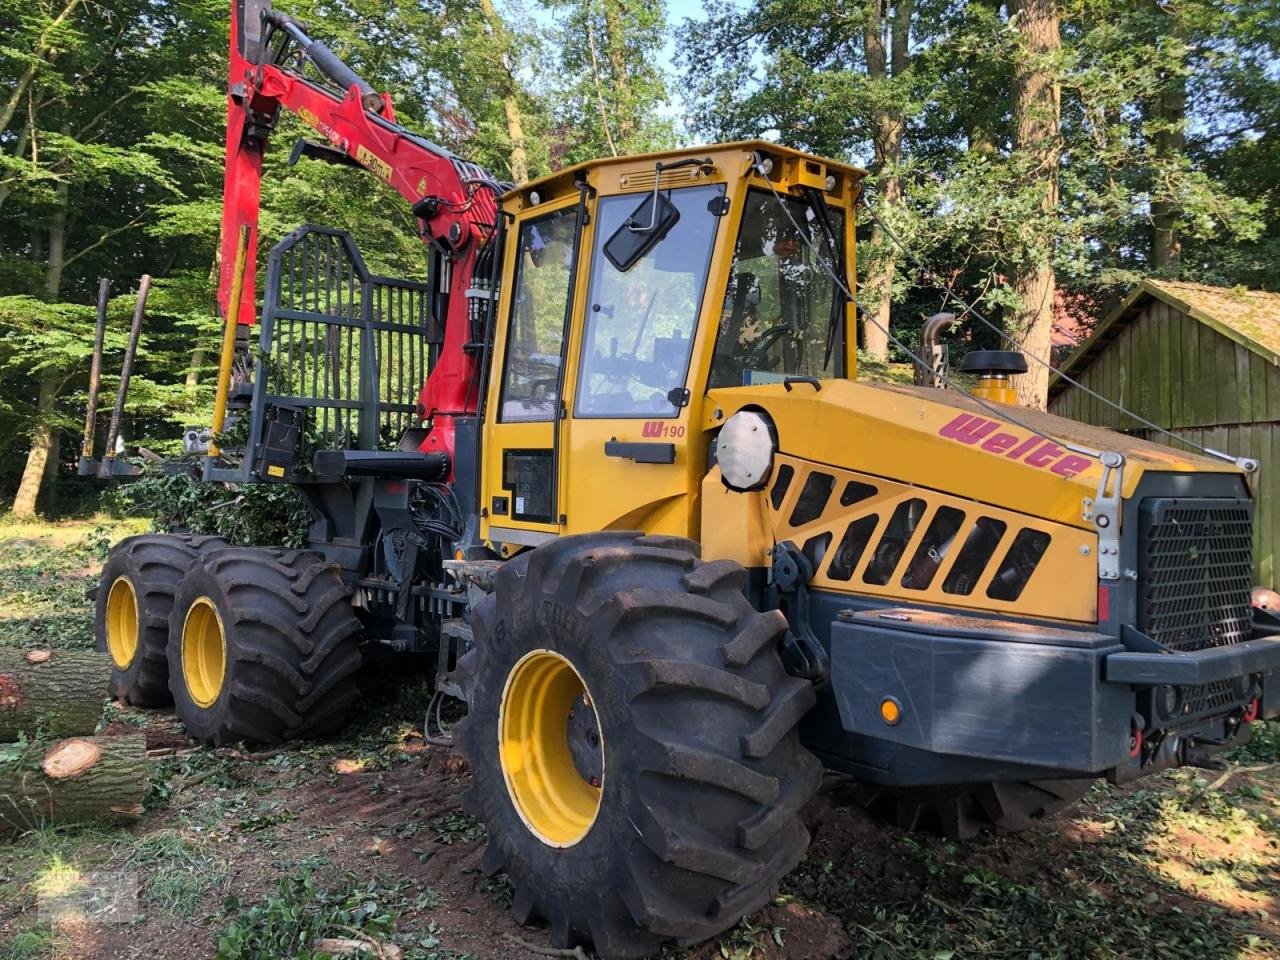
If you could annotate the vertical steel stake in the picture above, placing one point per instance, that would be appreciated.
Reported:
(126, 371)
(95, 374)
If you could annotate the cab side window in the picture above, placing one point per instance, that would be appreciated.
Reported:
(535, 335)
(783, 315)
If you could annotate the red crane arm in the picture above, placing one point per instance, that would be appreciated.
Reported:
(455, 201)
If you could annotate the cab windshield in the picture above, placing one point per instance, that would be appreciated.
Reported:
(643, 300)
(783, 315)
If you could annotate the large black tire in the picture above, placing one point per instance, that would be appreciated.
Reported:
(150, 567)
(961, 811)
(703, 775)
(289, 644)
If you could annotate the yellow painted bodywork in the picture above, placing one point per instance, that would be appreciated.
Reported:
(938, 446)
(549, 794)
(1069, 593)
(595, 492)
(996, 390)
(204, 652)
(897, 432)
(122, 622)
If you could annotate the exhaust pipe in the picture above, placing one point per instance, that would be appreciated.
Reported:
(934, 353)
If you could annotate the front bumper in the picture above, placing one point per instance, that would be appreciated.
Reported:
(1024, 695)
(1156, 668)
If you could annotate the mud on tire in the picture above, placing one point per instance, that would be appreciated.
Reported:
(289, 640)
(152, 565)
(703, 772)
(961, 811)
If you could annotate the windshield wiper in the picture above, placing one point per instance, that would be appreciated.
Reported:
(838, 296)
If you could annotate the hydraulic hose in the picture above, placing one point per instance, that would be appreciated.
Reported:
(326, 61)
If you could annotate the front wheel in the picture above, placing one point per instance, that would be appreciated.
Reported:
(633, 742)
(262, 647)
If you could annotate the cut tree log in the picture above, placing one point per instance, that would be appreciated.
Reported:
(80, 780)
(351, 947)
(57, 692)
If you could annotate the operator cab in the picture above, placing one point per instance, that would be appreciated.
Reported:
(636, 285)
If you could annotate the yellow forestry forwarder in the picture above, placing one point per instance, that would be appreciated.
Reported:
(610, 462)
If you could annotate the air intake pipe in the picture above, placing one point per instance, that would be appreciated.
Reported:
(994, 368)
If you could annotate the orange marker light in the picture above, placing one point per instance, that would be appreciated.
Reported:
(890, 711)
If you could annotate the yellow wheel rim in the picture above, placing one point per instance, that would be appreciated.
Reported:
(204, 652)
(555, 801)
(122, 622)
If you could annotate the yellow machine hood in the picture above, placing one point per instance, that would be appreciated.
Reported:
(948, 441)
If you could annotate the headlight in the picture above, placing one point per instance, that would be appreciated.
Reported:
(745, 450)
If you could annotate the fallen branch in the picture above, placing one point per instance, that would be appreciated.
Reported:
(577, 952)
(340, 947)
(193, 780)
(234, 754)
(1232, 771)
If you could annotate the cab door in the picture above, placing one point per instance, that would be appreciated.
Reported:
(519, 491)
(634, 456)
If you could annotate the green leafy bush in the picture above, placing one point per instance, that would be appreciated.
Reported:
(301, 912)
(265, 514)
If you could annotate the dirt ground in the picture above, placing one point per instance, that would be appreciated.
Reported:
(256, 856)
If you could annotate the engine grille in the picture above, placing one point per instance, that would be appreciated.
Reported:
(1195, 579)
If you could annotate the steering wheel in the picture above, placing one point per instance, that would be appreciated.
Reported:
(762, 345)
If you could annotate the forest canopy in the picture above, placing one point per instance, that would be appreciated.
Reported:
(1034, 156)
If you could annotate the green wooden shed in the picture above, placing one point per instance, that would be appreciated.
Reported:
(1204, 363)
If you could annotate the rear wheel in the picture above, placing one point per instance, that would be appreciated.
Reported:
(961, 811)
(131, 617)
(633, 742)
(262, 647)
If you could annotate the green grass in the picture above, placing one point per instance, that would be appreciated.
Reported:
(34, 944)
(46, 571)
(179, 874)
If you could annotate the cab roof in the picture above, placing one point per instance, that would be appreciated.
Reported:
(553, 184)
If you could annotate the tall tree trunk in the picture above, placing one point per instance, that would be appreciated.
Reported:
(595, 78)
(616, 52)
(24, 502)
(1037, 114)
(57, 243)
(43, 434)
(515, 132)
(983, 91)
(887, 129)
(1170, 113)
(193, 371)
(510, 102)
(43, 44)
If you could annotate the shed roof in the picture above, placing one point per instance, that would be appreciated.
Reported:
(1249, 317)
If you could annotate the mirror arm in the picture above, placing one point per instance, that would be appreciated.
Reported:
(706, 165)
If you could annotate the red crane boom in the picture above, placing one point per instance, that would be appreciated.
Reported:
(456, 202)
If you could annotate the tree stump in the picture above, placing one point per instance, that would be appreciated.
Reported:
(60, 692)
(80, 780)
